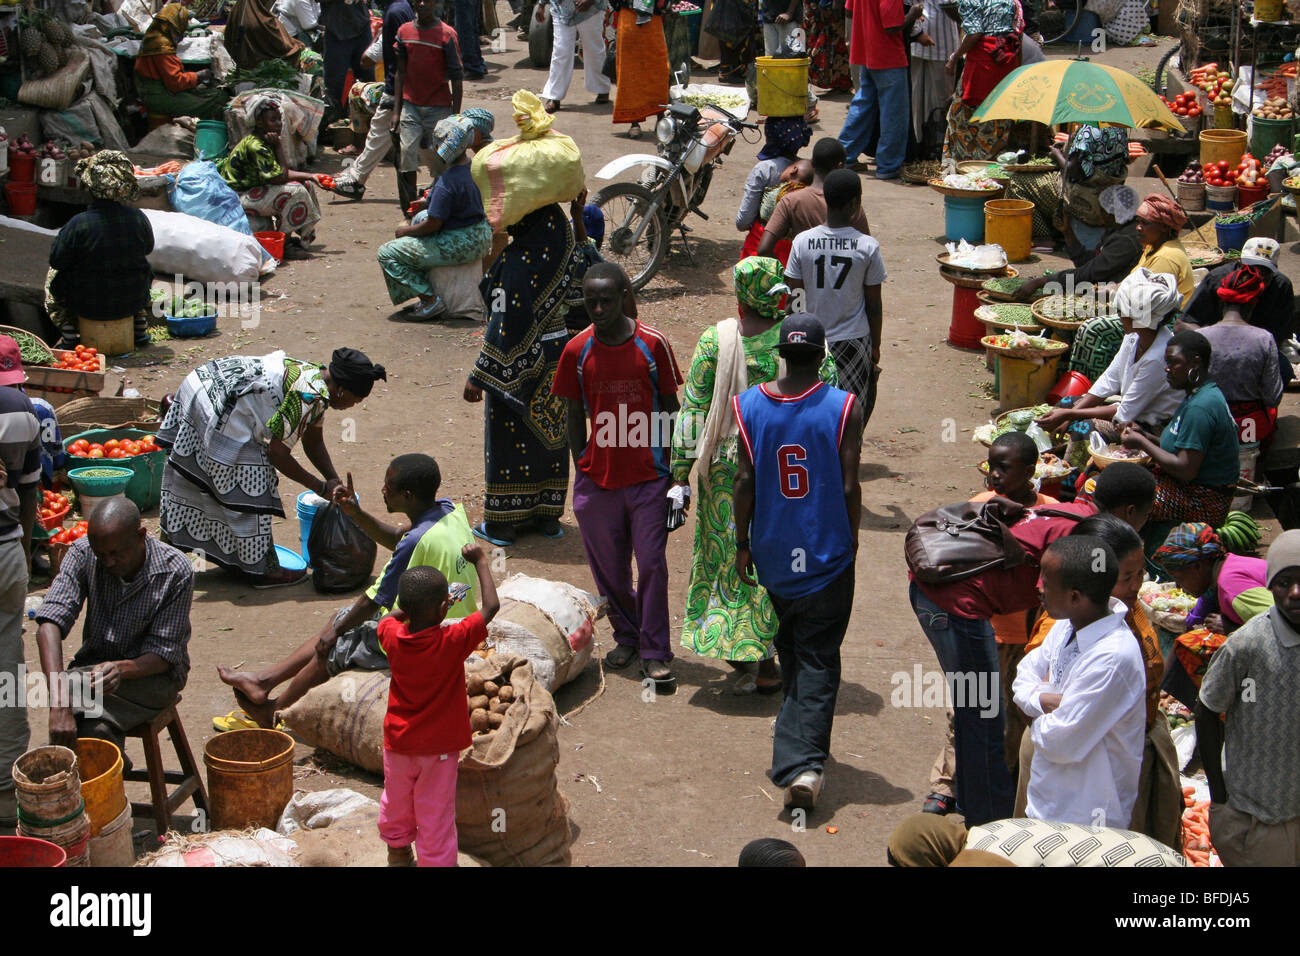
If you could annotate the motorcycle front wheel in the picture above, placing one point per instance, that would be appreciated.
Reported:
(624, 206)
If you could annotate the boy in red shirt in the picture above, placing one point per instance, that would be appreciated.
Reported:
(427, 724)
(623, 375)
(427, 88)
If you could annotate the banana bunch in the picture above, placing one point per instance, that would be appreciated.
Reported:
(1239, 533)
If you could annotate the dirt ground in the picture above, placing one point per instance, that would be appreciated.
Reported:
(679, 781)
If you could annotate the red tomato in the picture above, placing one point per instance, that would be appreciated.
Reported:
(95, 453)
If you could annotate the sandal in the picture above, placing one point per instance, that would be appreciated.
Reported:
(480, 531)
(664, 677)
(745, 685)
(551, 106)
(239, 720)
(939, 803)
(550, 528)
(634, 132)
(620, 657)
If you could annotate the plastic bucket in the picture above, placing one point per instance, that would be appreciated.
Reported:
(211, 139)
(1219, 145)
(272, 242)
(1083, 28)
(46, 784)
(30, 852)
(112, 846)
(1010, 224)
(1232, 236)
(1267, 133)
(1269, 11)
(250, 777)
(110, 336)
(22, 168)
(1223, 118)
(1248, 458)
(21, 198)
(1192, 196)
(100, 764)
(145, 486)
(72, 835)
(965, 331)
(1249, 195)
(1072, 384)
(308, 504)
(1024, 382)
(782, 85)
(963, 218)
(1222, 198)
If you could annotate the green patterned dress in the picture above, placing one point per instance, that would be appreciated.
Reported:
(725, 618)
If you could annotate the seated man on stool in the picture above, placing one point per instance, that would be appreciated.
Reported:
(137, 593)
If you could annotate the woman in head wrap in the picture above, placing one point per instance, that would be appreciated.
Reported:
(1196, 458)
(1114, 257)
(258, 169)
(99, 261)
(1095, 159)
(230, 433)
(991, 47)
(725, 618)
(785, 136)
(452, 231)
(164, 85)
(1137, 373)
(1159, 220)
(1245, 363)
(525, 445)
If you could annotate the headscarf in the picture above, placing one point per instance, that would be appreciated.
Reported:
(1187, 544)
(594, 221)
(1283, 553)
(1101, 150)
(786, 135)
(1146, 297)
(1120, 201)
(258, 103)
(1162, 210)
(760, 284)
(1243, 285)
(165, 30)
(454, 135)
(355, 372)
(481, 119)
(109, 175)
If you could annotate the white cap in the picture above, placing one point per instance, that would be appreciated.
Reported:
(1260, 251)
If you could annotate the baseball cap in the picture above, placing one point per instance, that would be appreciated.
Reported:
(11, 362)
(1260, 251)
(800, 332)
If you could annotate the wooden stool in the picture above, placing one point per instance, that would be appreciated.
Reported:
(187, 779)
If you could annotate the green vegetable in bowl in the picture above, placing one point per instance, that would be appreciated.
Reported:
(1014, 314)
(190, 308)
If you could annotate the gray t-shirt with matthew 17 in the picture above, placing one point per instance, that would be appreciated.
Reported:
(836, 265)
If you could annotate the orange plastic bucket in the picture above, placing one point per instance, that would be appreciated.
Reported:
(100, 764)
(272, 242)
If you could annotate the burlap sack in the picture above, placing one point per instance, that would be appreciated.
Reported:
(345, 715)
(548, 622)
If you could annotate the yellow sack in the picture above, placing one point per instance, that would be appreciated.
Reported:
(526, 172)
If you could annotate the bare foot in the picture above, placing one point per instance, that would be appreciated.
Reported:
(245, 684)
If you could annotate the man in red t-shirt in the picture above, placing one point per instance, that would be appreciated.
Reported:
(427, 724)
(876, 46)
(623, 375)
(427, 89)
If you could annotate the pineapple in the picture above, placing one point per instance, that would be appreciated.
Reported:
(30, 42)
(56, 32)
(47, 59)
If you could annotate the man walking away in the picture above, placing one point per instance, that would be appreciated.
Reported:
(347, 34)
(585, 20)
(876, 46)
(798, 505)
(840, 271)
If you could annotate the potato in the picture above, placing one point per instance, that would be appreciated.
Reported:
(506, 693)
(495, 720)
(499, 706)
(479, 702)
(491, 687)
(479, 721)
(474, 685)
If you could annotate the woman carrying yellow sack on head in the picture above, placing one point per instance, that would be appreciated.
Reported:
(164, 85)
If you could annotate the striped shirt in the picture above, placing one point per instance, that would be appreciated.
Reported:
(942, 30)
(125, 619)
(429, 57)
(20, 452)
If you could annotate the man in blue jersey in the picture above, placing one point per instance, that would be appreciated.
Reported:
(798, 505)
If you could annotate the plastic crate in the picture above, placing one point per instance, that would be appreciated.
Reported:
(145, 486)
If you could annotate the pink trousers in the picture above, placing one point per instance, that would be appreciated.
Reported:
(419, 805)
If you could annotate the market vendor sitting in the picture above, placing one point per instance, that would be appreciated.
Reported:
(1111, 260)
(1230, 588)
(1137, 373)
(164, 85)
(1094, 160)
(99, 265)
(137, 593)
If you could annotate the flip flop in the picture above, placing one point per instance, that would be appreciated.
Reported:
(745, 685)
(238, 720)
(669, 681)
(480, 531)
(620, 657)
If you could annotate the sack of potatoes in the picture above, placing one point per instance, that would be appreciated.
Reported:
(488, 702)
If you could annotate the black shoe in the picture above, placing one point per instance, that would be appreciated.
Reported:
(349, 189)
(475, 74)
(939, 803)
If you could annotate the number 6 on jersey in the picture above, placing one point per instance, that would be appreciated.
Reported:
(791, 463)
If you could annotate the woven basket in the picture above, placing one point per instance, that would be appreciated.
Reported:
(88, 414)
(1059, 348)
(58, 90)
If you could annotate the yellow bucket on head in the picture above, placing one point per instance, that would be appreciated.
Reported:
(782, 85)
(1222, 145)
(1024, 382)
(1010, 224)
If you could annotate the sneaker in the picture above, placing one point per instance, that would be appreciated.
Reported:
(349, 189)
(802, 794)
(428, 310)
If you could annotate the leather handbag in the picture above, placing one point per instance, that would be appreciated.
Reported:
(958, 541)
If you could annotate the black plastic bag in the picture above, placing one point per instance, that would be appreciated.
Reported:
(729, 22)
(342, 557)
(610, 67)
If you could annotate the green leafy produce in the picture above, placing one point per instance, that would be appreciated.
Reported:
(269, 74)
(1233, 220)
(32, 350)
(159, 333)
(190, 308)
(1014, 314)
(731, 102)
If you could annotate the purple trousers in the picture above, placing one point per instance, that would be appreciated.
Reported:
(616, 524)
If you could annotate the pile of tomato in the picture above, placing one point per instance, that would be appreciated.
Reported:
(1185, 104)
(69, 535)
(83, 359)
(1221, 173)
(113, 448)
(52, 504)
(325, 182)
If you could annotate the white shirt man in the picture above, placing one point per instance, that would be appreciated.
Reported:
(1087, 750)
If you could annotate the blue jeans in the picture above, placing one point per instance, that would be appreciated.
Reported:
(965, 646)
(469, 21)
(882, 98)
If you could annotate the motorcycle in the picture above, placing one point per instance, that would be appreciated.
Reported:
(641, 216)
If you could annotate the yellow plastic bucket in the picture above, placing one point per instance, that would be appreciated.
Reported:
(782, 85)
(1024, 382)
(1219, 145)
(110, 337)
(1269, 11)
(1010, 224)
(100, 764)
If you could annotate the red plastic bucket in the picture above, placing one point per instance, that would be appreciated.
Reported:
(21, 198)
(272, 242)
(22, 168)
(29, 851)
(1071, 384)
(1249, 195)
(965, 331)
